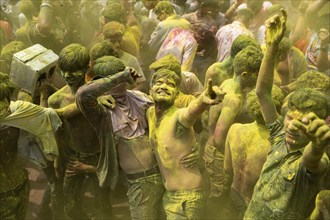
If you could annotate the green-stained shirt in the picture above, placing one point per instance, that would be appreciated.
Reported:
(285, 188)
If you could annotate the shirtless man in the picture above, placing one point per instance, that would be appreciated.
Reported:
(221, 117)
(172, 137)
(247, 146)
(79, 143)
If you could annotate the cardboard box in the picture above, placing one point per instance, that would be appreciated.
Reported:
(31, 63)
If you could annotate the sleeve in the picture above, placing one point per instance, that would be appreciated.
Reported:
(276, 131)
(190, 50)
(39, 121)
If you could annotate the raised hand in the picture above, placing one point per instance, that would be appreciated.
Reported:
(317, 131)
(131, 74)
(107, 101)
(213, 94)
(276, 27)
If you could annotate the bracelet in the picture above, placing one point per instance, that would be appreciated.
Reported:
(46, 4)
(324, 48)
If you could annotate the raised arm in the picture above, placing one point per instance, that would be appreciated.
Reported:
(211, 95)
(87, 95)
(276, 27)
(318, 132)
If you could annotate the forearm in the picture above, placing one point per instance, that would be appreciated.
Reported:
(45, 17)
(298, 31)
(266, 72)
(312, 158)
(68, 111)
(193, 111)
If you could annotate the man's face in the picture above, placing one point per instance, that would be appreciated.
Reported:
(164, 91)
(4, 108)
(294, 137)
(116, 40)
(74, 79)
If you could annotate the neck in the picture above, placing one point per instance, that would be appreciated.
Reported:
(74, 89)
(162, 109)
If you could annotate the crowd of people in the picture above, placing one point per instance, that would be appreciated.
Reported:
(204, 109)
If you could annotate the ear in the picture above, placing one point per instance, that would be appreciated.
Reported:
(244, 75)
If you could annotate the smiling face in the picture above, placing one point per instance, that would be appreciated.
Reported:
(164, 90)
(294, 137)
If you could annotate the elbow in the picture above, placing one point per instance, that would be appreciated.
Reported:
(44, 27)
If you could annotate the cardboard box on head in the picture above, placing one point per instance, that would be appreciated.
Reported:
(32, 64)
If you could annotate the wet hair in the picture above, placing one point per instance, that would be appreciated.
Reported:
(166, 74)
(245, 13)
(113, 28)
(241, 42)
(169, 62)
(315, 80)
(253, 106)
(248, 60)
(7, 87)
(114, 12)
(101, 49)
(73, 57)
(164, 7)
(107, 66)
(284, 46)
(309, 100)
(204, 36)
(28, 9)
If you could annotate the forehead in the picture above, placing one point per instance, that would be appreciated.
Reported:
(295, 114)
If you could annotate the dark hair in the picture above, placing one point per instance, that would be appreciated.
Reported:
(241, 42)
(164, 7)
(101, 49)
(309, 100)
(107, 66)
(166, 74)
(314, 80)
(73, 57)
(169, 62)
(114, 12)
(284, 46)
(245, 13)
(6, 87)
(248, 60)
(113, 28)
(253, 106)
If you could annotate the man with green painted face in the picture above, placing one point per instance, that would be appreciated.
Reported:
(78, 141)
(172, 137)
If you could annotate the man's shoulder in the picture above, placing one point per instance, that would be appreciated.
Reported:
(56, 98)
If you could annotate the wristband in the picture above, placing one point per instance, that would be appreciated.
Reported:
(46, 4)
